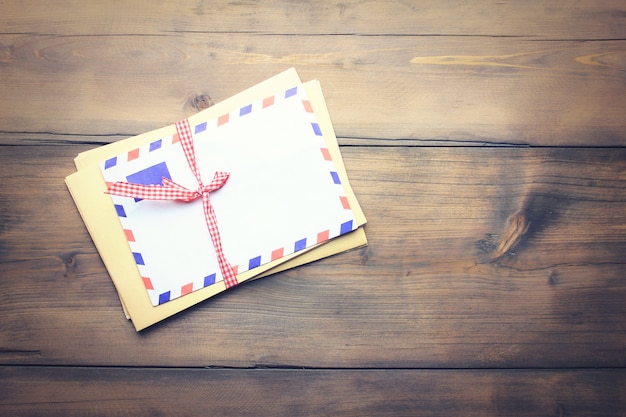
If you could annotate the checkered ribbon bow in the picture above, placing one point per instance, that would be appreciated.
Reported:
(173, 191)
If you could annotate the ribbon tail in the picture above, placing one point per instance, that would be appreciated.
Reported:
(228, 273)
(169, 183)
(152, 192)
(218, 181)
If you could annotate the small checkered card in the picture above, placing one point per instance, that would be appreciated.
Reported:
(277, 192)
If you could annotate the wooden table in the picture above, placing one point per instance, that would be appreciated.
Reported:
(485, 140)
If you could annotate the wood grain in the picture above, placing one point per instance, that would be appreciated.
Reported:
(450, 90)
(580, 20)
(485, 140)
(435, 288)
(149, 392)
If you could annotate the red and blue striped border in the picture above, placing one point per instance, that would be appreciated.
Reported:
(256, 261)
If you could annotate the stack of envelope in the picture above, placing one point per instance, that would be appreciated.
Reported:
(249, 187)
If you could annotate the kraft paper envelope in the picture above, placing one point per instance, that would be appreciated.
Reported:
(87, 188)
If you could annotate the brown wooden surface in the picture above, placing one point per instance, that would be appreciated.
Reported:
(486, 142)
(235, 392)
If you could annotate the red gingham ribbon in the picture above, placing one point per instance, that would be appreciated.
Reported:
(173, 191)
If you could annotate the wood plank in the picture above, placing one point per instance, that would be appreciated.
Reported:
(449, 89)
(494, 279)
(149, 392)
(478, 257)
(587, 19)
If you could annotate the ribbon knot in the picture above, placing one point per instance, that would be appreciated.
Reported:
(178, 192)
(170, 190)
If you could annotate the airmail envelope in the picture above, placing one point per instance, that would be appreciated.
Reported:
(287, 200)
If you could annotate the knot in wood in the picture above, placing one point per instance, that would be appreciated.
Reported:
(201, 101)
